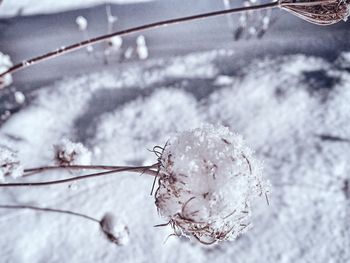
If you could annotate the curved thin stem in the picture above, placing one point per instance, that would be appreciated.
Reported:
(64, 50)
(140, 169)
(45, 209)
(34, 170)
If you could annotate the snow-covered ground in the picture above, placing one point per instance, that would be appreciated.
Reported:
(293, 110)
(10, 8)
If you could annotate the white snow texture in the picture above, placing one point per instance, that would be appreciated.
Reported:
(208, 180)
(292, 110)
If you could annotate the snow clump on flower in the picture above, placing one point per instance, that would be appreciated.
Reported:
(69, 153)
(9, 164)
(5, 64)
(208, 179)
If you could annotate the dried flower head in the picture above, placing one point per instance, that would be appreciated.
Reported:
(9, 164)
(207, 181)
(69, 153)
(115, 231)
(320, 12)
(5, 64)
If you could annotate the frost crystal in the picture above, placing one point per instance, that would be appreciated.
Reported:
(207, 181)
(9, 164)
(5, 64)
(115, 230)
(69, 153)
(115, 42)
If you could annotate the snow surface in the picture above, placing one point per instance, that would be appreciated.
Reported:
(293, 110)
(9, 8)
(116, 230)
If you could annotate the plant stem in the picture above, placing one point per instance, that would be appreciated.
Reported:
(139, 169)
(44, 209)
(64, 50)
(71, 167)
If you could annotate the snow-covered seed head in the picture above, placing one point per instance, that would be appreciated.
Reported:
(141, 49)
(5, 64)
(81, 22)
(115, 230)
(115, 42)
(9, 164)
(68, 153)
(320, 12)
(207, 181)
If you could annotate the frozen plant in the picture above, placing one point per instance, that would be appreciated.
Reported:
(9, 164)
(208, 179)
(250, 24)
(114, 44)
(115, 230)
(67, 153)
(82, 25)
(19, 97)
(5, 64)
(141, 47)
(128, 53)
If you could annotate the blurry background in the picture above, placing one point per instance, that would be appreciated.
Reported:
(279, 81)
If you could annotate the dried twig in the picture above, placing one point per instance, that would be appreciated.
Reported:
(53, 210)
(140, 169)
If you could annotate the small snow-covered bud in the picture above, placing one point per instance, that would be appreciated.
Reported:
(9, 164)
(5, 64)
(69, 153)
(115, 42)
(81, 22)
(208, 179)
(115, 230)
(112, 19)
(128, 53)
(19, 97)
(141, 49)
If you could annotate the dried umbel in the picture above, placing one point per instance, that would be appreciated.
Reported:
(68, 153)
(207, 181)
(114, 230)
(324, 12)
(9, 164)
